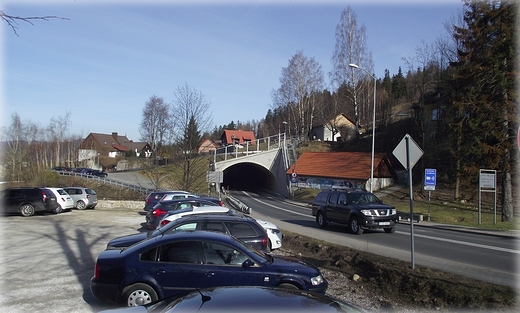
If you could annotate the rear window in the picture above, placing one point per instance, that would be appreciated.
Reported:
(321, 197)
(90, 192)
(62, 192)
(241, 230)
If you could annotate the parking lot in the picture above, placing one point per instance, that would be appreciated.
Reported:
(47, 261)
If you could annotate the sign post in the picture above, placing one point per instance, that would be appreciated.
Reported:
(408, 153)
(487, 183)
(430, 180)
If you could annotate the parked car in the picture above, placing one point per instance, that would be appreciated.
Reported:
(153, 197)
(359, 210)
(28, 201)
(62, 169)
(65, 201)
(239, 299)
(167, 265)
(243, 227)
(84, 198)
(174, 196)
(274, 234)
(153, 217)
(173, 215)
(97, 173)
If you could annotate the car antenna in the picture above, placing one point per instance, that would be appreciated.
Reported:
(204, 298)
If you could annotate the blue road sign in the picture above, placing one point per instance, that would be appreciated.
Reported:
(430, 178)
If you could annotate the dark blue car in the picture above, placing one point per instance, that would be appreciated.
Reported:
(184, 261)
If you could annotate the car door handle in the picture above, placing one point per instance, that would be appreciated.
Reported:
(160, 271)
(209, 274)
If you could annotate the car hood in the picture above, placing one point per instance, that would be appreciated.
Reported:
(126, 241)
(293, 265)
(267, 224)
(372, 206)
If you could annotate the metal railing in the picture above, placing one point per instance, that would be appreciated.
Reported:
(109, 181)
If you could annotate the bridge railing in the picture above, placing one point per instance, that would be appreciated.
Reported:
(274, 142)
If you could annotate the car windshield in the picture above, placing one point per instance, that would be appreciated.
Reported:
(362, 198)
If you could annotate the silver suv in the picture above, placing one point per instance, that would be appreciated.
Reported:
(84, 198)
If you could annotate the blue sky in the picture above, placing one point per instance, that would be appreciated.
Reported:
(110, 57)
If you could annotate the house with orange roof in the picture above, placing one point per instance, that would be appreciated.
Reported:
(341, 170)
(237, 137)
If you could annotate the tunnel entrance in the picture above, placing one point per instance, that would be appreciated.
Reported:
(248, 177)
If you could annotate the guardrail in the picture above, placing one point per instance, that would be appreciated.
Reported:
(238, 205)
(108, 181)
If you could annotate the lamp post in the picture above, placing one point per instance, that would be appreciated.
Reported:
(373, 125)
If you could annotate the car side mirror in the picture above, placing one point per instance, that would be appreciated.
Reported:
(247, 263)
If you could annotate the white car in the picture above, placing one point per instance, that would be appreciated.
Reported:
(177, 195)
(65, 201)
(273, 232)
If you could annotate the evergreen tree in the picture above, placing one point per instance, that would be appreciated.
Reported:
(483, 101)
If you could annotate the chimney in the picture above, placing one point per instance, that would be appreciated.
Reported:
(114, 135)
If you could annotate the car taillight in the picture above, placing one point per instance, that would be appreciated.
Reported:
(265, 241)
(220, 203)
(96, 271)
(88, 196)
(164, 222)
(44, 196)
(159, 212)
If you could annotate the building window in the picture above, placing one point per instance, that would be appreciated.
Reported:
(436, 114)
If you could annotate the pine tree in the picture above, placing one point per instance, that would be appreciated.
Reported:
(483, 103)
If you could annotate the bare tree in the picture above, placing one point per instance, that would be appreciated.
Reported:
(351, 49)
(156, 123)
(13, 20)
(57, 131)
(192, 117)
(300, 85)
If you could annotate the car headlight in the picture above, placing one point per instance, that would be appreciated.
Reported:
(368, 212)
(394, 211)
(318, 280)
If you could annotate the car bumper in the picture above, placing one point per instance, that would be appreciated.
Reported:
(275, 238)
(320, 289)
(379, 222)
(105, 292)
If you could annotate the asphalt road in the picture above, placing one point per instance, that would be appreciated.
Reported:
(487, 256)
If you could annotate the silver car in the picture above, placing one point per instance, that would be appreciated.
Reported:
(84, 198)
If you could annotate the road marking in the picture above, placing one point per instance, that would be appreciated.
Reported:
(476, 245)
(276, 207)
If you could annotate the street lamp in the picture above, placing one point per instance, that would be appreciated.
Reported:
(373, 124)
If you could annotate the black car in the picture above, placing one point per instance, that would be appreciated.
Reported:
(28, 201)
(245, 299)
(167, 265)
(97, 173)
(243, 227)
(358, 209)
(154, 216)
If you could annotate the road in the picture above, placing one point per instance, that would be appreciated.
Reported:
(483, 256)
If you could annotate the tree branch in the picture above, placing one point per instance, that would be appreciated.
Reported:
(12, 20)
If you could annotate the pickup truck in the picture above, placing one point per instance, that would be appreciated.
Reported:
(358, 210)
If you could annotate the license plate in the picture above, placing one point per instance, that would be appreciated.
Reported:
(384, 223)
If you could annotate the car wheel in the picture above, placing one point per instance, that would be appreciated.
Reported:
(390, 230)
(81, 205)
(139, 294)
(321, 220)
(288, 286)
(58, 210)
(27, 210)
(354, 226)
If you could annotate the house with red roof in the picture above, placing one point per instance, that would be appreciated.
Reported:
(341, 170)
(237, 137)
(111, 145)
